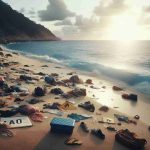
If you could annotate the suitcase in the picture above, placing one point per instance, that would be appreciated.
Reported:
(62, 125)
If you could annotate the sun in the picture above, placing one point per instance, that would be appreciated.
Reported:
(124, 27)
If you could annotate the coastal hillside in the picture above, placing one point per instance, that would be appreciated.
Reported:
(14, 26)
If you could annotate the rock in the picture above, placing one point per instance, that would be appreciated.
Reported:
(18, 99)
(50, 80)
(57, 91)
(44, 66)
(8, 55)
(54, 74)
(116, 88)
(15, 53)
(38, 91)
(75, 93)
(132, 97)
(25, 77)
(89, 81)
(1, 49)
(104, 108)
(26, 65)
(1, 54)
(34, 101)
(75, 79)
(2, 103)
(41, 74)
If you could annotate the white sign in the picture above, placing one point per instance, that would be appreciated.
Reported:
(17, 122)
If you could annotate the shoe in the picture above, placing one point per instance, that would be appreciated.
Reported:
(98, 133)
(84, 127)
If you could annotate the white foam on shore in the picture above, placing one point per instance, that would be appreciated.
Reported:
(43, 57)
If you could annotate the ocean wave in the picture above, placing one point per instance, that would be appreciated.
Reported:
(142, 87)
(43, 57)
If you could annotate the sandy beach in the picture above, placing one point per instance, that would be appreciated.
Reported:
(39, 137)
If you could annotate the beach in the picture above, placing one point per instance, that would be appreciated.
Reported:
(39, 137)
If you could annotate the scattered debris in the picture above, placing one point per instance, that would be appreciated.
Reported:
(89, 81)
(98, 133)
(88, 106)
(132, 97)
(122, 118)
(73, 141)
(84, 127)
(116, 88)
(57, 91)
(79, 117)
(75, 79)
(129, 139)
(104, 108)
(39, 91)
(137, 117)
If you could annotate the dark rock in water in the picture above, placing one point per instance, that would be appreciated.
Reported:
(89, 81)
(25, 78)
(15, 53)
(38, 91)
(8, 55)
(75, 79)
(132, 97)
(57, 91)
(50, 80)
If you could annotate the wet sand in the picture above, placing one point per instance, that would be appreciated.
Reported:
(39, 136)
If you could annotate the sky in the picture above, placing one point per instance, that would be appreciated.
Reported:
(90, 19)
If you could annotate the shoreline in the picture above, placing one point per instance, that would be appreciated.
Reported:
(42, 140)
(135, 108)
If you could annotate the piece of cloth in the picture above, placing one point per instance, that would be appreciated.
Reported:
(37, 117)
(54, 111)
(78, 117)
(4, 131)
(122, 118)
(67, 106)
(73, 141)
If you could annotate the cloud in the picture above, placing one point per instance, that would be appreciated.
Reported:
(86, 24)
(65, 22)
(32, 12)
(56, 10)
(110, 8)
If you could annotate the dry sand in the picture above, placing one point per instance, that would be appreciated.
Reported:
(39, 137)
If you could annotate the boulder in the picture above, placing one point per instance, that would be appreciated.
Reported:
(38, 91)
(89, 81)
(57, 91)
(50, 80)
(75, 79)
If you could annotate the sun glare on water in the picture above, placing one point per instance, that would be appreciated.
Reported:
(124, 27)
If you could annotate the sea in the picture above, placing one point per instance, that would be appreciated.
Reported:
(127, 62)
